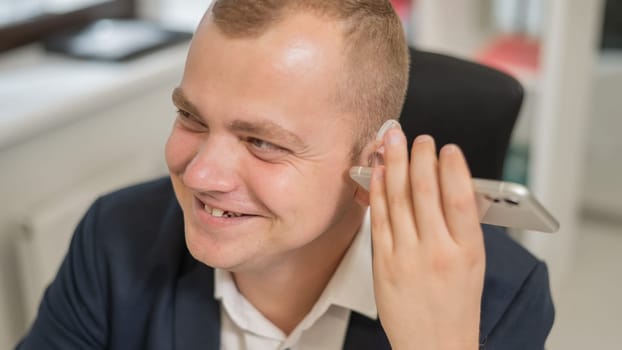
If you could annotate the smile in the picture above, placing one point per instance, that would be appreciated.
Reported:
(219, 213)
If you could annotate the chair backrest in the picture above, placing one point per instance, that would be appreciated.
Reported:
(465, 103)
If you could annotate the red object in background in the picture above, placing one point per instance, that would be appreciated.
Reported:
(402, 7)
(513, 54)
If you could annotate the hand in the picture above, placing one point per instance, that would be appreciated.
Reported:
(428, 246)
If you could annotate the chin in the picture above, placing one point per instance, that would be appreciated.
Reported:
(211, 252)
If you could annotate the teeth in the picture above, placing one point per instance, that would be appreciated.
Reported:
(220, 213)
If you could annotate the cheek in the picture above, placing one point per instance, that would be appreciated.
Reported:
(325, 190)
(272, 185)
(180, 149)
(296, 196)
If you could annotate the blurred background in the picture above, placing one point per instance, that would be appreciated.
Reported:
(83, 114)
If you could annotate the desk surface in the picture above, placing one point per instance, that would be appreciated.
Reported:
(39, 91)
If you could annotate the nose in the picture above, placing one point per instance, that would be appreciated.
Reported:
(214, 167)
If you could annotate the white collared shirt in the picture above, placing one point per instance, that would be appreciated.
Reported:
(243, 327)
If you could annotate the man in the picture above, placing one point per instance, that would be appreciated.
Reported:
(260, 240)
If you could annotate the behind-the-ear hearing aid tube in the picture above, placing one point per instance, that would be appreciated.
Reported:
(362, 175)
(389, 124)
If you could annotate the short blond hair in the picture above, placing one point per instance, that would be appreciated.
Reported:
(376, 72)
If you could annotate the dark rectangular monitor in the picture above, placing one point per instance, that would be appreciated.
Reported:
(612, 26)
(21, 25)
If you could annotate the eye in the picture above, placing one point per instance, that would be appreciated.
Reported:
(264, 146)
(183, 114)
(189, 121)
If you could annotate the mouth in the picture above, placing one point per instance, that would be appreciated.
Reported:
(220, 213)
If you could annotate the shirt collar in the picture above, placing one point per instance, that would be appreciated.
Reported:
(352, 285)
(240, 310)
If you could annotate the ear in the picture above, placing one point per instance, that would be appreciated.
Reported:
(361, 196)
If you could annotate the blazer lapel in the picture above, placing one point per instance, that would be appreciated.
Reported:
(197, 313)
(365, 333)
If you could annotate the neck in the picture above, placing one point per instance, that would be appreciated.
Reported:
(286, 291)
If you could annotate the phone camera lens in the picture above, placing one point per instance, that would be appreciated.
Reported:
(492, 199)
(511, 201)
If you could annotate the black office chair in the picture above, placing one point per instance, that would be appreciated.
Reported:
(465, 103)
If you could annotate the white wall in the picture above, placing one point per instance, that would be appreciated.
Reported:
(602, 190)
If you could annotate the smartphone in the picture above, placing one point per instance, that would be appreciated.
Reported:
(499, 203)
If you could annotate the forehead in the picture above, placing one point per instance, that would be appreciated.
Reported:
(298, 60)
(289, 75)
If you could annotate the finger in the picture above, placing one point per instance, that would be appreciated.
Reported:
(426, 190)
(397, 182)
(458, 196)
(382, 239)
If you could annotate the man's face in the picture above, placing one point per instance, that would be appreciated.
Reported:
(259, 137)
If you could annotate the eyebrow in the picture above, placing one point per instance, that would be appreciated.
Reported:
(263, 128)
(269, 130)
(180, 100)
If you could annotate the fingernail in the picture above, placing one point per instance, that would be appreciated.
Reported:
(450, 149)
(423, 138)
(393, 137)
(389, 124)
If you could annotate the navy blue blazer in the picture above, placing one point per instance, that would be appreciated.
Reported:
(129, 282)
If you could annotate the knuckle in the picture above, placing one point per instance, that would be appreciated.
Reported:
(379, 223)
(462, 202)
(396, 200)
(422, 186)
(474, 258)
(444, 262)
